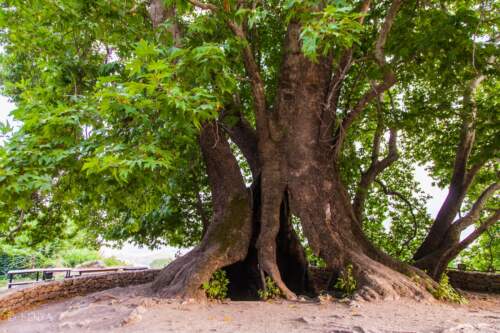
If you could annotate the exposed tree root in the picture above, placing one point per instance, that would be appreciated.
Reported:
(377, 281)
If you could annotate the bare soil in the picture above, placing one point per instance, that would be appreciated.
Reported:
(131, 310)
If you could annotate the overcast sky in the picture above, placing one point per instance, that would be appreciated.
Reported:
(5, 107)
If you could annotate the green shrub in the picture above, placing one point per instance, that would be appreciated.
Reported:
(113, 261)
(271, 290)
(216, 288)
(160, 263)
(18, 258)
(346, 281)
(73, 257)
(446, 292)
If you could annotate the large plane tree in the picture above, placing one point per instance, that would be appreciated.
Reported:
(220, 124)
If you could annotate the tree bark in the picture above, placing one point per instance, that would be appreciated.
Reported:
(245, 278)
(228, 236)
(443, 239)
(298, 174)
(299, 162)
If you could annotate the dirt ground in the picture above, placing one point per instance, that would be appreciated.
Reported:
(128, 310)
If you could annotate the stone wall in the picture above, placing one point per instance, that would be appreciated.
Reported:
(472, 281)
(18, 300)
(475, 281)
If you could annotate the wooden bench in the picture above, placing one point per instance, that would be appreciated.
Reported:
(81, 271)
(69, 273)
(47, 274)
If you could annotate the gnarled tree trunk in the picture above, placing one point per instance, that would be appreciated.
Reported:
(228, 236)
(294, 154)
(230, 239)
(443, 243)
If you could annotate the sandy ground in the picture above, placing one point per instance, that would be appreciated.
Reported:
(128, 310)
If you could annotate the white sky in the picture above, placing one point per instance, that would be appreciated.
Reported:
(143, 256)
(5, 108)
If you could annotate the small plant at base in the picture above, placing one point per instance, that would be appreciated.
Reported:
(6, 314)
(446, 292)
(271, 290)
(216, 288)
(346, 281)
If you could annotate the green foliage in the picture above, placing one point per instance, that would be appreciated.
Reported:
(74, 257)
(160, 263)
(108, 112)
(446, 292)
(114, 261)
(336, 26)
(484, 255)
(346, 282)
(216, 287)
(12, 258)
(312, 259)
(270, 291)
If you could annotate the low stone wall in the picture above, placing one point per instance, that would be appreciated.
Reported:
(472, 281)
(18, 300)
(475, 281)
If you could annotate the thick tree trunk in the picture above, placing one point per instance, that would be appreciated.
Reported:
(245, 277)
(230, 239)
(436, 262)
(442, 243)
(227, 238)
(298, 174)
(295, 159)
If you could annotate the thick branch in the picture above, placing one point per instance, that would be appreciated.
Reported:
(160, 14)
(244, 136)
(477, 207)
(461, 178)
(389, 78)
(476, 233)
(258, 90)
(256, 82)
(376, 168)
(473, 170)
(337, 80)
(467, 138)
(384, 32)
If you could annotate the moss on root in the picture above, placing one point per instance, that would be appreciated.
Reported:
(238, 213)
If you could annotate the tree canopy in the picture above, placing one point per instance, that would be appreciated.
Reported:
(111, 97)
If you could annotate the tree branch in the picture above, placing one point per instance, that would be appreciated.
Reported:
(336, 82)
(12, 232)
(461, 178)
(477, 207)
(389, 78)
(203, 5)
(476, 233)
(471, 173)
(376, 167)
(159, 14)
(244, 136)
(407, 202)
(256, 82)
(467, 137)
(253, 72)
